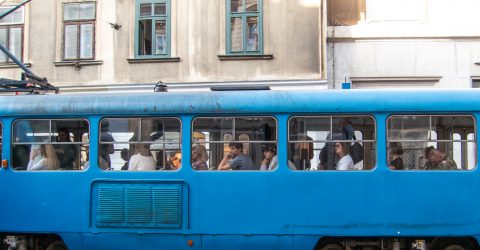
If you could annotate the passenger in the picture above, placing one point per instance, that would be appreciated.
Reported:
(143, 159)
(46, 158)
(395, 155)
(270, 162)
(124, 156)
(327, 157)
(236, 160)
(302, 152)
(437, 160)
(422, 161)
(199, 158)
(66, 153)
(105, 151)
(345, 162)
(175, 161)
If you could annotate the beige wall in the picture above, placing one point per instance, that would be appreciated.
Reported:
(292, 34)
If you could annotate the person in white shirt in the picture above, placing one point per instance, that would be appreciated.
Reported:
(43, 157)
(346, 161)
(143, 159)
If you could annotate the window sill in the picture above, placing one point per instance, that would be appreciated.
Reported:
(13, 65)
(78, 63)
(244, 57)
(154, 60)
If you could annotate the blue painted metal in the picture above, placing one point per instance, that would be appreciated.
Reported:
(283, 209)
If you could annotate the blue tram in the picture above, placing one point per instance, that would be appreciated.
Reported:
(354, 169)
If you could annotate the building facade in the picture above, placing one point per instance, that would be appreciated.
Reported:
(81, 44)
(404, 43)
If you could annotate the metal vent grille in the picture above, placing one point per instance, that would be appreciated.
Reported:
(137, 205)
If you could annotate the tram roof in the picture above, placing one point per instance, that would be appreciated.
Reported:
(231, 102)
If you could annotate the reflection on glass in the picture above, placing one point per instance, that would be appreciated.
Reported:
(3, 41)
(251, 5)
(160, 9)
(146, 9)
(86, 41)
(160, 37)
(236, 37)
(252, 34)
(236, 5)
(70, 43)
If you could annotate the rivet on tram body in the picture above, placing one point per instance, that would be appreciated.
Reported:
(4, 163)
(190, 243)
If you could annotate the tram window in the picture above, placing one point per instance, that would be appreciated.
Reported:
(1, 139)
(332, 142)
(49, 144)
(140, 144)
(431, 142)
(237, 143)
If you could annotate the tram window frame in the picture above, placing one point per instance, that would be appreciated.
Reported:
(213, 166)
(51, 134)
(436, 141)
(363, 142)
(138, 120)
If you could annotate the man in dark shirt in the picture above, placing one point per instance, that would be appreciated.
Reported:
(236, 160)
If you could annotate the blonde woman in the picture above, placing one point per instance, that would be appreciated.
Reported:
(143, 159)
(199, 158)
(47, 158)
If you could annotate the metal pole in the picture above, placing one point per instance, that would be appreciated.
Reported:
(13, 9)
(11, 56)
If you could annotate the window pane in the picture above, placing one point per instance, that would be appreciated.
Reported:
(86, 41)
(15, 45)
(145, 37)
(71, 11)
(13, 18)
(251, 5)
(160, 9)
(71, 41)
(313, 143)
(3, 41)
(87, 11)
(213, 139)
(431, 142)
(252, 34)
(409, 128)
(160, 37)
(140, 144)
(146, 9)
(49, 144)
(236, 38)
(25, 131)
(236, 5)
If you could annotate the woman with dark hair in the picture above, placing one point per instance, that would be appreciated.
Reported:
(395, 156)
(199, 158)
(342, 151)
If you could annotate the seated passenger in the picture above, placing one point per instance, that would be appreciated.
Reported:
(302, 152)
(236, 160)
(66, 153)
(175, 161)
(437, 160)
(270, 162)
(43, 157)
(143, 159)
(395, 156)
(124, 156)
(345, 161)
(199, 158)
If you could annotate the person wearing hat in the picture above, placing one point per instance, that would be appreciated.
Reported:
(271, 159)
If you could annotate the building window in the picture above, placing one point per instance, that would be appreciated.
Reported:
(152, 28)
(244, 27)
(475, 83)
(11, 33)
(79, 31)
